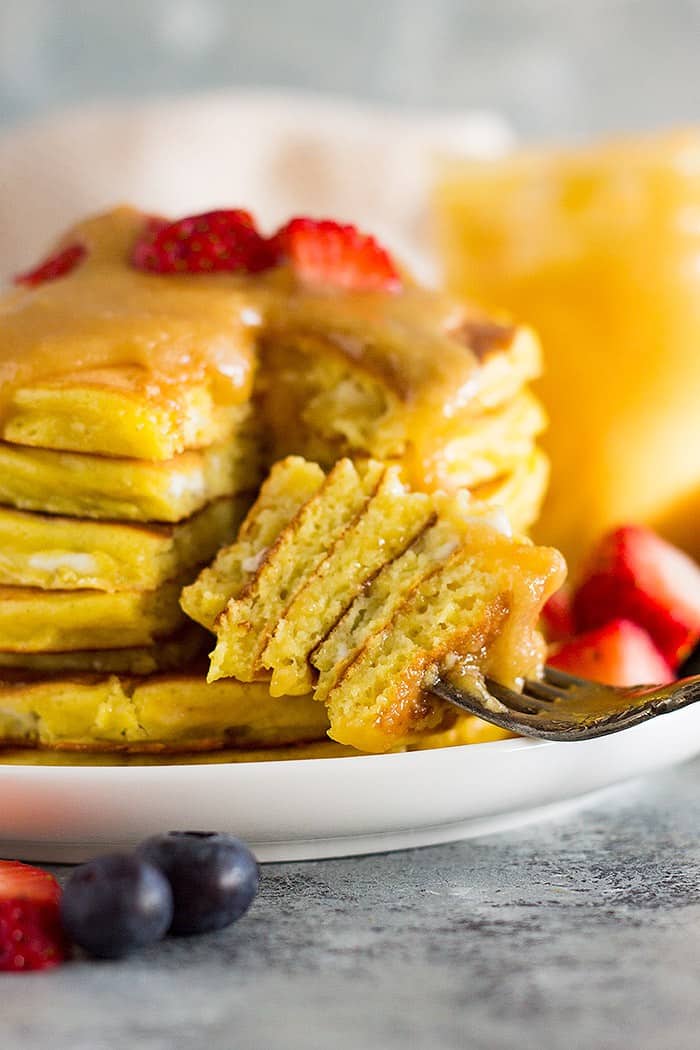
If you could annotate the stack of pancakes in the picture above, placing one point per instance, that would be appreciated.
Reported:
(137, 417)
(96, 543)
(114, 495)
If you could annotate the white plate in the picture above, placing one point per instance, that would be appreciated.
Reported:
(303, 809)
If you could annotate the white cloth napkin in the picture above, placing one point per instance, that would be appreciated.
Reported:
(276, 154)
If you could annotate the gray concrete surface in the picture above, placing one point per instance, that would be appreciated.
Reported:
(581, 934)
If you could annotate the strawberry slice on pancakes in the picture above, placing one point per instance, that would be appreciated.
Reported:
(222, 241)
(325, 253)
(57, 265)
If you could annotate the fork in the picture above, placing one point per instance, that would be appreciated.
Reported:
(560, 706)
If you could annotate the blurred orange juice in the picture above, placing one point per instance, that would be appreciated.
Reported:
(599, 249)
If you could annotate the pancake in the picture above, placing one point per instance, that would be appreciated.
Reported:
(118, 412)
(288, 486)
(84, 486)
(519, 493)
(338, 411)
(474, 614)
(467, 729)
(54, 553)
(351, 383)
(148, 360)
(243, 627)
(489, 446)
(112, 358)
(448, 590)
(289, 753)
(386, 525)
(161, 713)
(374, 606)
(167, 654)
(35, 621)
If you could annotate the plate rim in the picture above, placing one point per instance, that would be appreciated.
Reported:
(155, 769)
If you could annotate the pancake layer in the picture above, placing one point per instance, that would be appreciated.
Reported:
(35, 621)
(244, 627)
(57, 553)
(373, 606)
(467, 730)
(339, 392)
(160, 713)
(289, 485)
(14, 756)
(383, 528)
(181, 649)
(490, 445)
(519, 493)
(475, 614)
(85, 486)
(119, 412)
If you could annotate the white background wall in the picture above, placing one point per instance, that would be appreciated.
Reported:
(554, 67)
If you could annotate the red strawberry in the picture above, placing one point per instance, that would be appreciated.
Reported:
(57, 265)
(322, 252)
(31, 937)
(635, 574)
(619, 653)
(557, 619)
(214, 242)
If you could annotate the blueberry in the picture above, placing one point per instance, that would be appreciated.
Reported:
(214, 877)
(116, 903)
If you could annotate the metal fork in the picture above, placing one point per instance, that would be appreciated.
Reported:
(560, 706)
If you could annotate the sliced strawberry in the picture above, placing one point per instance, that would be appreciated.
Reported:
(31, 936)
(23, 882)
(635, 574)
(57, 265)
(322, 252)
(214, 242)
(557, 619)
(619, 653)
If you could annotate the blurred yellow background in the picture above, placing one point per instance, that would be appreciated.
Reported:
(599, 249)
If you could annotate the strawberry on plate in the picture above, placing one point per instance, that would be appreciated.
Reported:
(213, 242)
(557, 618)
(57, 265)
(326, 253)
(31, 936)
(634, 574)
(618, 653)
